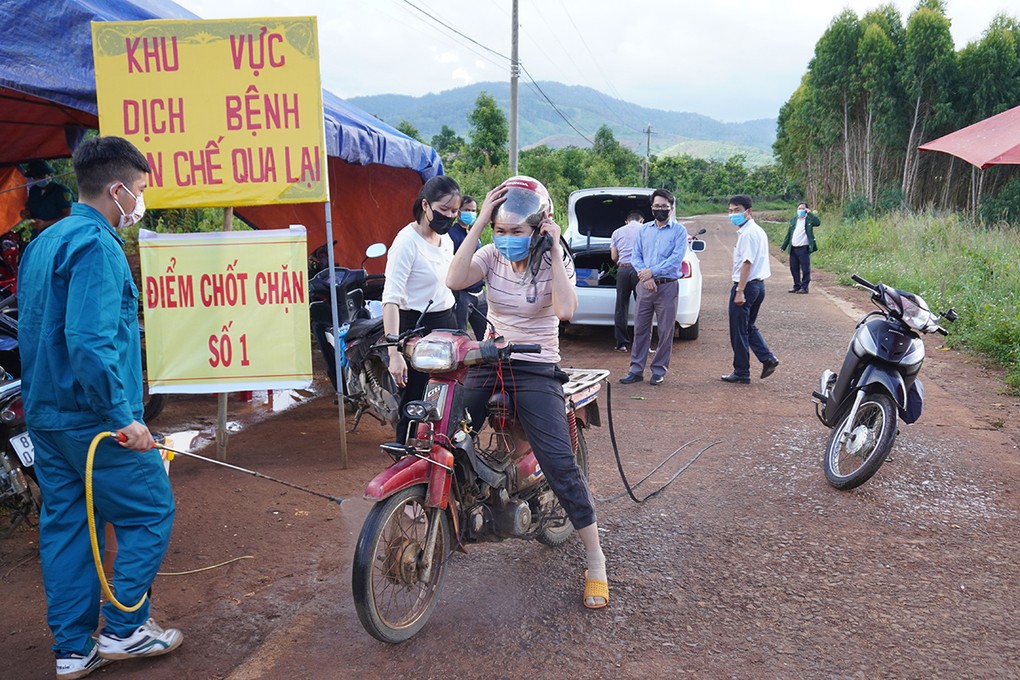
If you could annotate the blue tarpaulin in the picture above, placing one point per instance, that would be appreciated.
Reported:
(48, 87)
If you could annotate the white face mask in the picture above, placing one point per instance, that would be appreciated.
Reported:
(135, 216)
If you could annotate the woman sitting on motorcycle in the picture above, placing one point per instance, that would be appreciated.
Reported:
(530, 281)
(416, 280)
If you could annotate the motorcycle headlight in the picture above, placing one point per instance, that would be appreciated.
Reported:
(916, 314)
(432, 356)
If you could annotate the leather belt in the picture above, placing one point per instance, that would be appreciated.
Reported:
(660, 281)
(625, 264)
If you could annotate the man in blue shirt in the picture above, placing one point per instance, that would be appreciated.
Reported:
(658, 257)
(621, 250)
(81, 375)
(473, 296)
(48, 201)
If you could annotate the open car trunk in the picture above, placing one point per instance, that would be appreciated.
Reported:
(594, 268)
(599, 215)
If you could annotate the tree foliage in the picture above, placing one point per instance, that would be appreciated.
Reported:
(876, 89)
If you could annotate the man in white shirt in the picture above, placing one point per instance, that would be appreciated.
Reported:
(621, 248)
(750, 269)
(800, 239)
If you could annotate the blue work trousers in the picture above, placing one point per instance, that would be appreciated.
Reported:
(131, 491)
(744, 335)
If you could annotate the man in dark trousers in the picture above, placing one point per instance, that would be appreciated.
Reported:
(48, 201)
(658, 256)
(800, 239)
(82, 375)
(750, 269)
(621, 250)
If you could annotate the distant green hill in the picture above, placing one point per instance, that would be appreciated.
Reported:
(672, 132)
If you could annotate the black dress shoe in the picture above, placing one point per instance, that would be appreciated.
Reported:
(631, 378)
(795, 289)
(802, 291)
(657, 380)
(734, 378)
(768, 368)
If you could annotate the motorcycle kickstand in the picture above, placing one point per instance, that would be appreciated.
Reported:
(430, 546)
(357, 419)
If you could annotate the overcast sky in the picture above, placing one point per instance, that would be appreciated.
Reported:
(732, 60)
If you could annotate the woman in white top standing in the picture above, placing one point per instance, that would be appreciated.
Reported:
(530, 281)
(416, 268)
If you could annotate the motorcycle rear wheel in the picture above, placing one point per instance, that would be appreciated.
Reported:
(851, 461)
(557, 535)
(392, 602)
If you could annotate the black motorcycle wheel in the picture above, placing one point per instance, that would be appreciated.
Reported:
(152, 404)
(851, 461)
(557, 534)
(391, 600)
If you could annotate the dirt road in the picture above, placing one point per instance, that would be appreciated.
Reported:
(749, 566)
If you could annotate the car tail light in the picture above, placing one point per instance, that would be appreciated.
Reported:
(685, 270)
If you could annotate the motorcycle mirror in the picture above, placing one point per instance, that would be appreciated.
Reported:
(375, 250)
(701, 232)
(950, 314)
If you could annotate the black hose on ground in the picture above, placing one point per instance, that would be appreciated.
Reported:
(619, 463)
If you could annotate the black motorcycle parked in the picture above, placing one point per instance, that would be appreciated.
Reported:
(877, 383)
(17, 458)
(367, 384)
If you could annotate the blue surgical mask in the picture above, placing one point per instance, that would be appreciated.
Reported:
(468, 217)
(801, 213)
(738, 219)
(42, 182)
(513, 248)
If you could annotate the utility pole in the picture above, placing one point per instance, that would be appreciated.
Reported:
(514, 73)
(647, 168)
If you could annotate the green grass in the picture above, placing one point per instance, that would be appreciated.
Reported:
(948, 260)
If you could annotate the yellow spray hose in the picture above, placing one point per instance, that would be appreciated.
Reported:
(90, 511)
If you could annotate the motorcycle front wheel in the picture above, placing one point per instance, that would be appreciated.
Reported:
(392, 601)
(557, 534)
(852, 459)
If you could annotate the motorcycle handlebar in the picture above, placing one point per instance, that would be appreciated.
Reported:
(863, 282)
(523, 348)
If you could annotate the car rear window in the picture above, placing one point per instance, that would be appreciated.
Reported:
(601, 215)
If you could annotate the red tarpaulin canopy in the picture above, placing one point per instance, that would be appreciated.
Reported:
(992, 141)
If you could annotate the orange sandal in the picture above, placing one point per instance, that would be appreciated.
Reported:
(593, 589)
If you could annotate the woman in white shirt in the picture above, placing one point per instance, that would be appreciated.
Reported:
(416, 268)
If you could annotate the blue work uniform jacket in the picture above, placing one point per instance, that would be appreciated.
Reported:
(78, 327)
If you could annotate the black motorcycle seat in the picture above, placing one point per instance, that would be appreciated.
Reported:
(361, 328)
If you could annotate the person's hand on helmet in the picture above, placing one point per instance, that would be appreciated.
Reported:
(492, 201)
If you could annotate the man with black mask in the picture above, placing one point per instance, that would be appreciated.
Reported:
(658, 256)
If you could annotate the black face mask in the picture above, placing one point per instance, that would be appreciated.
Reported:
(440, 223)
(660, 215)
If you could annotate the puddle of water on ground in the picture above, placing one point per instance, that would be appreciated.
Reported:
(262, 405)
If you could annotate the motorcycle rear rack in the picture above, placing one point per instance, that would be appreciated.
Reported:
(584, 386)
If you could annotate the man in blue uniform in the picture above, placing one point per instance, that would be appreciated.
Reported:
(48, 201)
(82, 374)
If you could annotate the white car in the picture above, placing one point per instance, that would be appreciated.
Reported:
(592, 216)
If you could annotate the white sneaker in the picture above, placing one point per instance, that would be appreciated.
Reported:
(147, 640)
(78, 666)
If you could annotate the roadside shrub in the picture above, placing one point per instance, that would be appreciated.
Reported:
(857, 208)
(1003, 208)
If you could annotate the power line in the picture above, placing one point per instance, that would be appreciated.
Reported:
(546, 97)
(503, 56)
(451, 28)
(619, 97)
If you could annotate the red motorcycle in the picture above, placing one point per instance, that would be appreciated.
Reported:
(449, 485)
